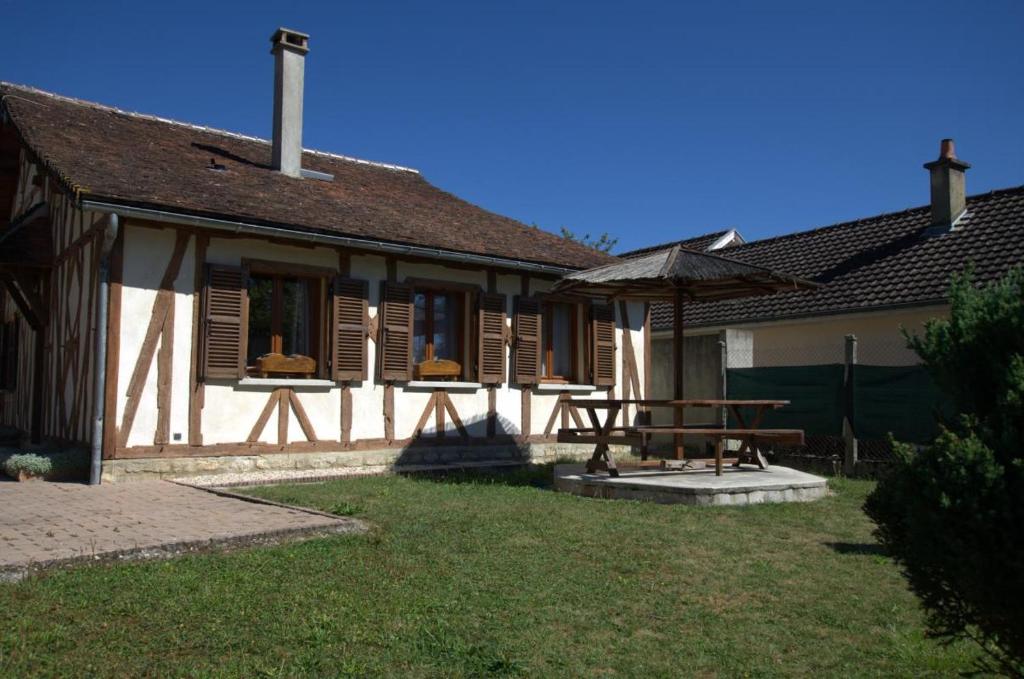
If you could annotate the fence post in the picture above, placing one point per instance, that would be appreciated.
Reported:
(849, 439)
(723, 384)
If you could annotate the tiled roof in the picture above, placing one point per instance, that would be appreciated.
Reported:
(700, 243)
(125, 158)
(886, 261)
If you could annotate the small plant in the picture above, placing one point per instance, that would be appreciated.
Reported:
(24, 466)
(346, 509)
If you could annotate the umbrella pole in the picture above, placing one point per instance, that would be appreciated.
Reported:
(677, 368)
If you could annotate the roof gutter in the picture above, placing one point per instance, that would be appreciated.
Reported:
(322, 239)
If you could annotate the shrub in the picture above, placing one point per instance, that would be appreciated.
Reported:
(30, 463)
(951, 515)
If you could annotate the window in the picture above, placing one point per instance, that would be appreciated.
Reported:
(437, 327)
(271, 319)
(285, 314)
(559, 340)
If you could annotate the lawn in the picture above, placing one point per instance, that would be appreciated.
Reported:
(466, 576)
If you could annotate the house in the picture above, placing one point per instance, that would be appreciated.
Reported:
(878, 276)
(181, 299)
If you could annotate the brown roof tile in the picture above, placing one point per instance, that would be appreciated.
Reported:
(138, 160)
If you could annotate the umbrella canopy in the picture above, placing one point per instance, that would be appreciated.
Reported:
(662, 275)
(679, 275)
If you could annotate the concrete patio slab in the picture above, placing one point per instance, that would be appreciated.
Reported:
(45, 525)
(742, 486)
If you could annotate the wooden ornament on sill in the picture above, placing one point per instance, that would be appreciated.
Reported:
(276, 365)
(438, 369)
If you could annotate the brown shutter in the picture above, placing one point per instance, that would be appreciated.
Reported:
(349, 315)
(491, 350)
(395, 347)
(602, 318)
(526, 358)
(225, 321)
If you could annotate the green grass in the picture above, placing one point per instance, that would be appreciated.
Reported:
(466, 576)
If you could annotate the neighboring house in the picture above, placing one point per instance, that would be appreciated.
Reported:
(708, 242)
(878, 275)
(190, 300)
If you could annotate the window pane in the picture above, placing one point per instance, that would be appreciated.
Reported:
(561, 340)
(419, 328)
(295, 321)
(261, 293)
(446, 324)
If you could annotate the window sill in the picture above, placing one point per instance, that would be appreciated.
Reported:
(284, 382)
(559, 386)
(441, 384)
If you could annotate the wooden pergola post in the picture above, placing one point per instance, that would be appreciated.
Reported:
(677, 367)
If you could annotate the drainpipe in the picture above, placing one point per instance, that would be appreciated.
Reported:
(100, 383)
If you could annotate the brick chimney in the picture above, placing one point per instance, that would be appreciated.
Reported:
(289, 50)
(947, 182)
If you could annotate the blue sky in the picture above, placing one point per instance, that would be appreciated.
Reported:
(649, 120)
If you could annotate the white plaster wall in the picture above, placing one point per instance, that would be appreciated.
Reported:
(181, 359)
(146, 255)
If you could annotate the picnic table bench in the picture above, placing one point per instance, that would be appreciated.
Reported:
(748, 432)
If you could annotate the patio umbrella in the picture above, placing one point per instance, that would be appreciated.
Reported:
(678, 275)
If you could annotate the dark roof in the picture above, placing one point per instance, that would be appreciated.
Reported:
(658, 275)
(109, 155)
(891, 260)
(701, 243)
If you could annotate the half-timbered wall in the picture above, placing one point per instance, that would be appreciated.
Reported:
(69, 296)
(163, 412)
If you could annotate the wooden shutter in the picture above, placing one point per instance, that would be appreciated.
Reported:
(602, 332)
(350, 310)
(225, 315)
(526, 358)
(491, 349)
(395, 347)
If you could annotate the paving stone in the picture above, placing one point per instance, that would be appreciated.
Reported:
(53, 522)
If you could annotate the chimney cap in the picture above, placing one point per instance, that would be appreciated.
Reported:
(289, 39)
(947, 157)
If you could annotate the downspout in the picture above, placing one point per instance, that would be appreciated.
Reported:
(100, 383)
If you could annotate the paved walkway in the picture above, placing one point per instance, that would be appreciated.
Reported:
(49, 524)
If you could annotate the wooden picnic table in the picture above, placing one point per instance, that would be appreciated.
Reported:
(748, 430)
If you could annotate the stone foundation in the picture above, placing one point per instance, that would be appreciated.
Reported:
(379, 461)
(702, 487)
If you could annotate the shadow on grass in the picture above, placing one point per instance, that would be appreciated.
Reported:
(528, 475)
(857, 548)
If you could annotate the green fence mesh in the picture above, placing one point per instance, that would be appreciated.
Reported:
(900, 400)
(815, 393)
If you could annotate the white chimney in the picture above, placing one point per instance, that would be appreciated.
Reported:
(289, 50)
(949, 198)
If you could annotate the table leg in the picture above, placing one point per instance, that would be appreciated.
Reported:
(744, 446)
(719, 445)
(749, 452)
(602, 453)
(755, 452)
